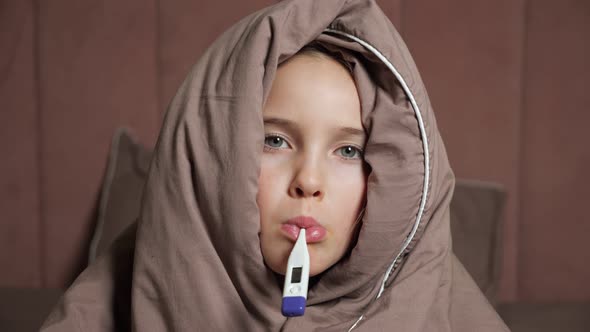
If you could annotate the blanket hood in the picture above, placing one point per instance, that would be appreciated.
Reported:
(191, 270)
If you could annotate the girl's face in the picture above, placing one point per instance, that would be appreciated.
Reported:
(312, 163)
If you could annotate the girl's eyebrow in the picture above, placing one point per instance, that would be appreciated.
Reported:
(292, 125)
(280, 122)
(353, 131)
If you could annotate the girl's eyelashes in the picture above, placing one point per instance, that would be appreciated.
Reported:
(277, 142)
(351, 152)
(274, 141)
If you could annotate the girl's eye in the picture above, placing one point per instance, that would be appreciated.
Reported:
(275, 142)
(350, 152)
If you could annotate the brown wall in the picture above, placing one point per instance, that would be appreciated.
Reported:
(470, 54)
(554, 254)
(506, 78)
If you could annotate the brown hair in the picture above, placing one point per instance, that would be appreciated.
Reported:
(317, 49)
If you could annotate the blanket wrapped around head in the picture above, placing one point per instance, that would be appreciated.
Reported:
(194, 261)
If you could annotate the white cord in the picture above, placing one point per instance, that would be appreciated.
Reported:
(406, 89)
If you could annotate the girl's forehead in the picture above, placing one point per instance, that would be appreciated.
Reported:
(313, 91)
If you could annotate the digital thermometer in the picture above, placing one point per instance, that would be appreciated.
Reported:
(296, 279)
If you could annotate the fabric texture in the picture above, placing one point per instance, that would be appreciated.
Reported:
(476, 210)
(195, 257)
(120, 195)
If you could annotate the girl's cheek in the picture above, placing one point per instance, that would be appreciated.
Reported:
(274, 159)
(349, 181)
(347, 173)
(272, 173)
(271, 166)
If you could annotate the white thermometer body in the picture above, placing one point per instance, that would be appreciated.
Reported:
(296, 279)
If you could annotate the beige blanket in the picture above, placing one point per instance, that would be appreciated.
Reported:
(185, 269)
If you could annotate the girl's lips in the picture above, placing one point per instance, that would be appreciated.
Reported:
(314, 232)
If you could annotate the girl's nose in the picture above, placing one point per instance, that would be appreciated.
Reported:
(308, 181)
(302, 192)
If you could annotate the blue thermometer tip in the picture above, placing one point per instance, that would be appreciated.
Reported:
(293, 306)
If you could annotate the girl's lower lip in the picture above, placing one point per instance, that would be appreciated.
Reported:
(312, 234)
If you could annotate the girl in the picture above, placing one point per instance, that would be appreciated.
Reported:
(312, 173)
(267, 136)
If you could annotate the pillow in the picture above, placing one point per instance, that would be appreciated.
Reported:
(121, 192)
(476, 210)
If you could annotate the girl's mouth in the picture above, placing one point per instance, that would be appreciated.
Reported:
(314, 232)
